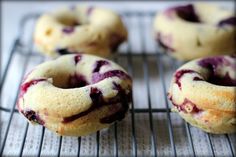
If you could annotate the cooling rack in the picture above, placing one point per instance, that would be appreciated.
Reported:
(150, 129)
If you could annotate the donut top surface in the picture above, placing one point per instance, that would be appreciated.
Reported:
(72, 86)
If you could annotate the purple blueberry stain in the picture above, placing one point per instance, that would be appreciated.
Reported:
(186, 12)
(97, 77)
(182, 107)
(96, 96)
(24, 87)
(119, 102)
(120, 105)
(212, 63)
(128, 96)
(77, 58)
(97, 102)
(90, 10)
(120, 108)
(99, 64)
(229, 21)
(68, 29)
(179, 74)
(33, 116)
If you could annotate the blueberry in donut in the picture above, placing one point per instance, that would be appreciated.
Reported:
(76, 95)
(202, 91)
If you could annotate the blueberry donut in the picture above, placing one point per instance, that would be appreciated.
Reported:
(76, 94)
(196, 30)
(79, 29)
(203, 93)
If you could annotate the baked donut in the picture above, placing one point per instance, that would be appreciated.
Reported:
(196, 30)
(79, 29)
(75, 94)
(203, 93)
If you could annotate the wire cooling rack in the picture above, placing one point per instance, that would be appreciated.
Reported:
(150, 129)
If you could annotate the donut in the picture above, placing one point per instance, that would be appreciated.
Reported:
(202, 91)
(79, 29)
(196, 30)
(75, 94)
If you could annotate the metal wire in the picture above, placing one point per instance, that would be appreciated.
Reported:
(29, 52)
(230, 145)
(146, 78)
(59, 147)
(190, 139)
(23, 141)
(97, 143)
(79, 143)
(41, 142)
(130, 70)
(170, 128)
(27, 55)
(210, 143)
(12, 51)
(116, 154)
(115, 141)
(25, 133)
(136, 110)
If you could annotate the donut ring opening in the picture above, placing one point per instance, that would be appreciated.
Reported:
(215, 76)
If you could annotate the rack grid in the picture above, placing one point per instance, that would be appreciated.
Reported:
(142, 64)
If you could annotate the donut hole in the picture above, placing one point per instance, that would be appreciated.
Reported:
(77, 81)
(68, 20)
(74, 79)
(216, 75)
(70, 23)
(221, 80)
(67, 80)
